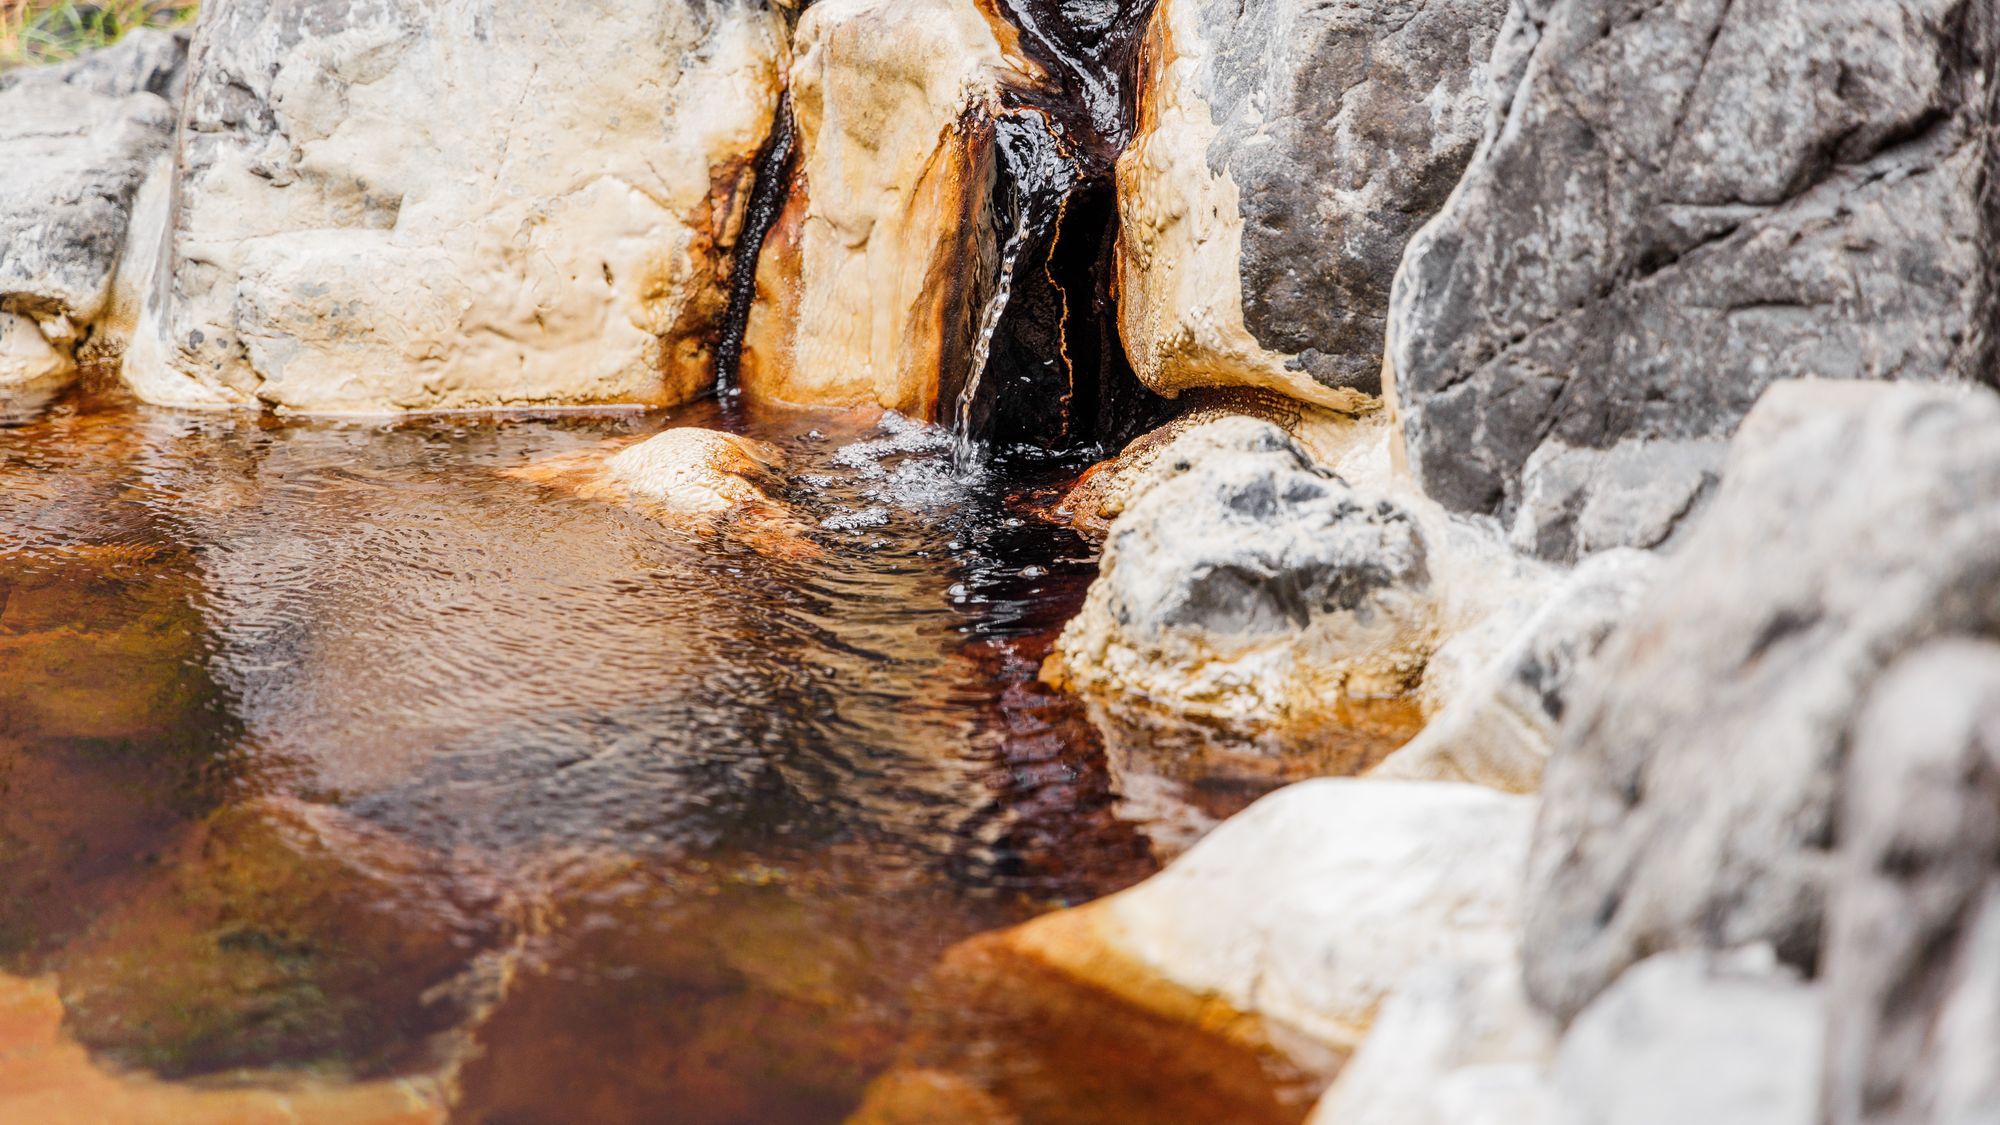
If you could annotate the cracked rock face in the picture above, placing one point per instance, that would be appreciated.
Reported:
(77, 143)
(1691, 802)
(1285, 154)
(1243, 580)
(866, 287)
(1674, 206)
(393, 205)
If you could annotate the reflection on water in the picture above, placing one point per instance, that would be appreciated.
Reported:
(328, 746)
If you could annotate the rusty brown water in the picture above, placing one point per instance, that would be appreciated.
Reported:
(326, 746)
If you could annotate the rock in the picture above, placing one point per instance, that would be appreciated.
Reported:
(76, 143)
(1690, 1037)
(1302, 913)
(47, 1077)
(401, 206)
(1286, 152)
(686, 477)
(1247, 581)
(866, 290)
(1454, 1045)
(1674, 206)
(1913, 958)
(1690, 802)
(1499, 729)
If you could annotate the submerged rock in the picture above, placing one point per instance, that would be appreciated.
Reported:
(1247, 581)
(866, 290)
(1913, 959)
(402, 206)
(1286, 152)
(1692, 798)
(1674, 206)
(1499, 728)
(77, 142)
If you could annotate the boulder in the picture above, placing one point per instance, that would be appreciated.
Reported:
(868, 282)
(394, 205)
(1690, 1037)
(1454, 1045)
(1913, 958)
(1245, 580)
(1286, 152)
(1674, 206)
(1499, 728)
(1306, 910)
(77, 142)
(1691, 799)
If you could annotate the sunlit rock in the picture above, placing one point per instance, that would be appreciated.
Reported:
(1286, 152)
(1499, 728)
(77, 142)
(1262, 955)
(870, 281)
(47, 1078)
(1692, 799)
(1690, 1037)
(1453, 1045)
(686, 477)
(1912, 967)
(1248, 581)
(1673, 207)
(407, 206)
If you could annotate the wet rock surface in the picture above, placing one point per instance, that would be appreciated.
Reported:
(1674, 206)
(1692, 798)
(367, 223)
(1286, 152)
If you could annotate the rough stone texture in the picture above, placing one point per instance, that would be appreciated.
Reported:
(1286, 151)
(77, 141)
(1913, 958)
(1690, 802)
(397, 205)
(1246, 580)
(1683, 1037)
(866, 288)
(1293, 921)
(1500, 729)
(1454, 1045)
(1674, 206)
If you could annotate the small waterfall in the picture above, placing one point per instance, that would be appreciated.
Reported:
(767, 199)
(967, 448)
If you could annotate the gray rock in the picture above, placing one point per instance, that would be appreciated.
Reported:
(1344, 128)
(1287, 151)
(76, 143)
(1692, 1038)
(1246, 578)
(1499, 730)
(1913, 958)
(1690, 802)
(1674, 206)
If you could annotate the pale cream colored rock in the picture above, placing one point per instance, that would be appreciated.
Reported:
(1288, 925)
(31, 368)
(399, 206)
(866, 283)
(1454, 1045)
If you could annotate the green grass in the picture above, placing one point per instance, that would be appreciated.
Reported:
(44, 31)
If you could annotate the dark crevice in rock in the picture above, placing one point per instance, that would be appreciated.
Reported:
(776, 163)
(1052, 374)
